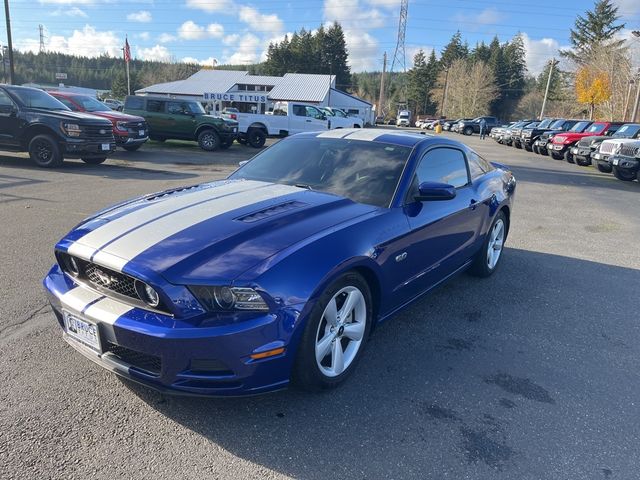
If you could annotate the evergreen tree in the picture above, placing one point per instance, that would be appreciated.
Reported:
(597, 28)
(418, 84)
(454, 50)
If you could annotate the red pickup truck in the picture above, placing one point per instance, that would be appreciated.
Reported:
(129, 131)
(562, 142)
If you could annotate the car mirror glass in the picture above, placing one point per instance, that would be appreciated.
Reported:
(435, 191)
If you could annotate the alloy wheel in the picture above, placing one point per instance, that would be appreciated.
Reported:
(496, 241)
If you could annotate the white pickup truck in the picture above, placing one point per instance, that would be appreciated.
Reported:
(339, 119)
(287, 118)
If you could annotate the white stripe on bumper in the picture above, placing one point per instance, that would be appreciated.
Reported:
(78, 298)
(107, 310)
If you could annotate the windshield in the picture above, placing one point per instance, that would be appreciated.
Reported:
(91, 104)
(37, 99)
(580, 126)
(545, 123)
(596, 128)
(328, 112)
(404, 115)
(558, 124)
(627, 131)
(365, 172)
(339, 113)
(534, 125)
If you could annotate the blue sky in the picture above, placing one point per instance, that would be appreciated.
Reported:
(238, 31)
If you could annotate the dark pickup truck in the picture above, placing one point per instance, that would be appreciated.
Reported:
(529, 136)
(520, 140)
(33, 121)
(543, 142)
(469, 127)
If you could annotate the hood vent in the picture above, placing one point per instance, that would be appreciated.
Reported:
(271, 211)
(166, 193)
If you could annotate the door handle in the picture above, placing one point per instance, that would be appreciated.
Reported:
(473, 204)
(308, 121)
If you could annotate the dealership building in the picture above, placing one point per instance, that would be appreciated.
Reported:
(258, 93)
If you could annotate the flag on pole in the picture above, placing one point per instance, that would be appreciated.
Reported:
(127, 51)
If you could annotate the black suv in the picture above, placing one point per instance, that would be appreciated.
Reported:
(33, 121)
(530, 135)
(469, 127)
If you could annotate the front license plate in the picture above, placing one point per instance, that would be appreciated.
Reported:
(141, 133)
(106, 147)
(615, 161)
(82, 330)
(557, 147)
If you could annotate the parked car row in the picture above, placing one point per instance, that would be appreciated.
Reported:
(611, 147)
(467, 126)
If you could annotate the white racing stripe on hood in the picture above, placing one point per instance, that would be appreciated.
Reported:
(86, 246)
(107, 310)
(368, 134)
(78, 298)
(117, 254)
(337, 133)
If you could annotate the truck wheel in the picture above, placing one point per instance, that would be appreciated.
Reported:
(241, 140)
(45, 152)
(517, 145)
(535, 150)
(468, 130)
(256, 138)
(603, 168)
(131, 148)
(580, 161)
(568, 157)
(555, 156)
(528, 148)
(623, 175)
(93, 160)
(208, 140)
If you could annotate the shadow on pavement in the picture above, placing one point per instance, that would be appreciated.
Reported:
(478, 377)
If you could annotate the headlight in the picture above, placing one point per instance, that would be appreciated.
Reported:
(121, 126)
(71, 129)
(147, 294)
(229, 298)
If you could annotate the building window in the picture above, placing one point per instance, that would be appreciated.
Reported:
(242, 88)
(269, 88)
(251, 88)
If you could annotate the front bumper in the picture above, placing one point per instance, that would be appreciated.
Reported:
(174, 356)
(601, 159)
(629, 164)
(77, 148)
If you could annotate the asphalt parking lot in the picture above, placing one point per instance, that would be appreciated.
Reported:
(531, 374)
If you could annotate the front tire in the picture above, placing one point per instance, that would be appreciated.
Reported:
(581, 162)
(93, 160)
(488, 258)
(528, 148)
(568, 157)
(468, 131)
(45, 152)
(555, 156)
(623, 175)
(536, 150)
(603, 168)
(335, 335)
(208, 140)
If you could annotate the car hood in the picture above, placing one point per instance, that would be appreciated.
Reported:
(118, 116)
(207, 233)
(69, 115)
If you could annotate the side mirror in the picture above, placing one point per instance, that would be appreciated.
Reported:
(435, 191)
(8, 109)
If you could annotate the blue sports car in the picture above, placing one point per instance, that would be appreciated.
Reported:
(279, 273)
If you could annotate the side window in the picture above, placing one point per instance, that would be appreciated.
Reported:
(478, 166)
(5, 101)
(444, 165)
(176, 108)
(313, 112)
(299, 111)
(134, 103)
(154, 106)
(67, 102)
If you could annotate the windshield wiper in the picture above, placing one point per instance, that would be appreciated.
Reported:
(303, 185)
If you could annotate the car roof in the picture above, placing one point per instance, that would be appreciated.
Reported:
(381, 135)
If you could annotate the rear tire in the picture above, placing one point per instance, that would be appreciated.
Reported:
(488, 258)
(208, 140)
(603, 168)
(93, 160)
(624, 175)
(45, 152)
(256, 138)
(319, 365)
(517, 145)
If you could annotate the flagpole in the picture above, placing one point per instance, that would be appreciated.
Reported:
(128, 80)
(127, 59)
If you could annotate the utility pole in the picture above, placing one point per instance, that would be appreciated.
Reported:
(546, 91)
(9, 42)
(635, 118)
(381, 97)
(41, 29)
(445, 90)
(626, 100)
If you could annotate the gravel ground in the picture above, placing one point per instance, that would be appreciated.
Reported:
(530, 374)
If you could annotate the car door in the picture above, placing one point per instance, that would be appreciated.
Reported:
(298, 119)
(181, 121)
(443, 233)
(156, 117)
(9, 122)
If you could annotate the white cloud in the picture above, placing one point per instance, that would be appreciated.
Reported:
(231, 39)
(207, 62)
(248, 51)
(211, 6)
(628, 8)
(158, 53)
(145, 36)
(260, 22)
(190, 30)
(72, 12)
(87, 42)
(166, 38)
(487, 16)
(411, 52)
(539, 52)
(385, 3)
(363, 50)
(215, 30)
(143, 16)
(67, 2)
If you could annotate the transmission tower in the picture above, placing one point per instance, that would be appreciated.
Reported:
(399, 56)
(41, 29)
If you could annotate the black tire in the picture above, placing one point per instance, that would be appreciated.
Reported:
(544, 152)
(468, 130)
(568, 157)
(256, 137)
(480, 266)
(208, 140)
(582, 162)
(603, 168)
(131, 148)
(517, 145)
(528, 148)
(306, 372)
(624, 175)
(241, 140)
(45, 152)
(555, 156)
(536, 150)
(355, 125)
(226, 144)
(93, 160)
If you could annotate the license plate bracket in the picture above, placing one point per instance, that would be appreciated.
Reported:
(82, 330)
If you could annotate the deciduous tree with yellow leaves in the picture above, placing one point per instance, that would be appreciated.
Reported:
(593, 87)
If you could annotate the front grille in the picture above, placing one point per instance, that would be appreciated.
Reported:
(608, 147)
(142, 361)
(105, 278)
(98, 133)
(585, 142)
(629, 150)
